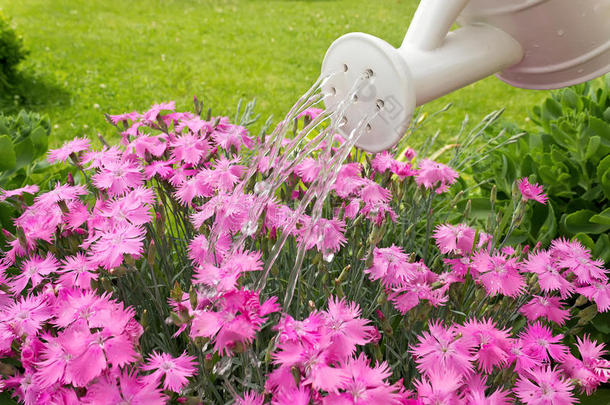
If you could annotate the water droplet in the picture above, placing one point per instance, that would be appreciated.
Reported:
(328, 256)
(380, 103)
(250, 228)
(561, 33)
(261, 187)
(368, 73)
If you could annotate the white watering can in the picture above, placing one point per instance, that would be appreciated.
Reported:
(534, 44)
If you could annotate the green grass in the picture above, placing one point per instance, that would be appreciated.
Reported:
(89, 57)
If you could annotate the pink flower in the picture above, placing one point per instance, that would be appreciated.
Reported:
(24, 317)
(308, 169)
(225, 277)
(153, 113)
(366, 385)
(345, 328)
(311, 112)
(390, 265)
(154, 145)
(371, 192)
(549, 274)
(250, 398)
(439, 386)
(573, 256)
(491, 345)
(226, 173)
(532, 191)
(34, 269)
(348, 180)
(130, 389)
(189, 148)
(72, 147)
(195, 125)
(77, 271)
(227, 136)
(112, 245)
(498, 274)
(4, 194)
(326, 234)
(118, 177)
(598, 293)
(441, 348)
(292, 396)
(403, 169)
(61, 192)
(545, 307)
(454, 238)
(238, 317)
(132, 116)
(432, 174)
(382, 162)
(97, 159)
(544, 386)
(540, 344)
(176, 370)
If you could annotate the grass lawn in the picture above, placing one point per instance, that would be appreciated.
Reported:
(89, 57)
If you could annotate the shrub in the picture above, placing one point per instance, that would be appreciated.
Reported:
(12, 51)
(570, 154)
(23, 141)
(199, 263)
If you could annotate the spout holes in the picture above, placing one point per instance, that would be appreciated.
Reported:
(369, 73)
(332, 91)
(369, 128)
(343, 121)
(345, 67)
(380, 104)
(355, 98)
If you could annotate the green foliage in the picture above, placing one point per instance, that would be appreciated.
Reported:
(570, 155)
(11, 51)
(23, 142)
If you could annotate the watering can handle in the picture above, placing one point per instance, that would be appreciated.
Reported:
(432, 22)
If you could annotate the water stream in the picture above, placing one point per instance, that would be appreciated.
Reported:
(283, 156)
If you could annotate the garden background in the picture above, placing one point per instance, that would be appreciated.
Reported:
(93, 57)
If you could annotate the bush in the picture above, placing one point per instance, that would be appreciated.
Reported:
(23, 142)
(570, 155)
(196, 262)
(11, 51)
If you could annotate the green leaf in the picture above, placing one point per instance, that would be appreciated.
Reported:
(548, 230)
(602, 218)
(602, 248)
(600, 128)
(603, 167)
(605, 181)
(479, 209)
(592, 146)
(599, 397)
(585, 240)
(40, 141)
(8, 158)
(25, 153)
(580, 221)
(551, 109)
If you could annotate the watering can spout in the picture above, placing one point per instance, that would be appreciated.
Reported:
(529, 43)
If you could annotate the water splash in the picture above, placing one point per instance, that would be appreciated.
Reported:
(282, 155)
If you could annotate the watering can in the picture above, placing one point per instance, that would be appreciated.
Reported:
(532, 44)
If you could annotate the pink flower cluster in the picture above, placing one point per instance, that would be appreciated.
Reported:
(316, 360)
(74, 342)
